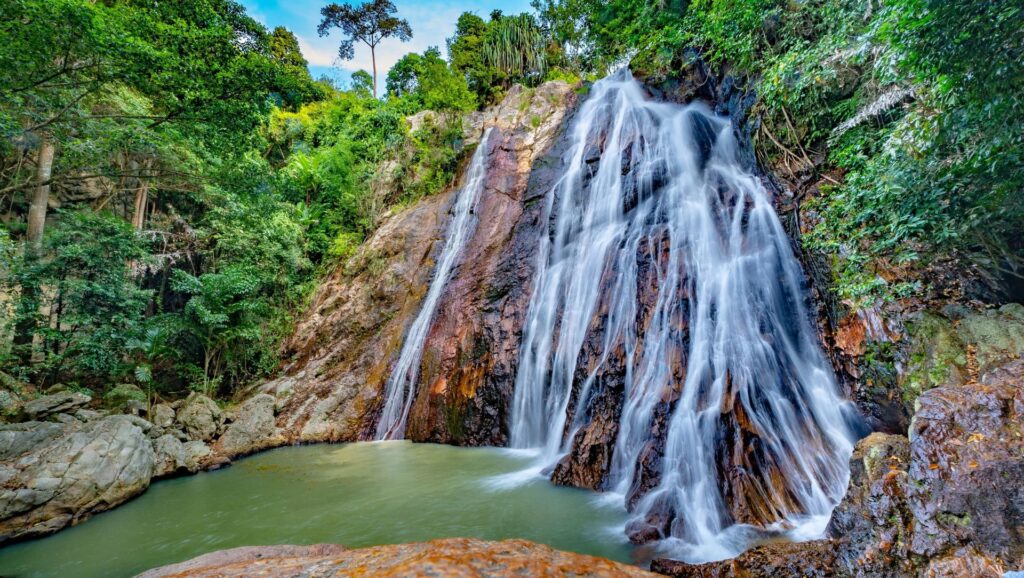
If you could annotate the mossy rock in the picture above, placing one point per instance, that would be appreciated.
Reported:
(941, 346)
(996, 334)
(119, 395)
(12, 397)
(937, 357)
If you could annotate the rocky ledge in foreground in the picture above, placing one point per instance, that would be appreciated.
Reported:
(452, 558)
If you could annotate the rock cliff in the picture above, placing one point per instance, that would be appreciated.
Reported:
(341, 353)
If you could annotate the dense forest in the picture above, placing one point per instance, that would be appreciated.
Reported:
(174, 182)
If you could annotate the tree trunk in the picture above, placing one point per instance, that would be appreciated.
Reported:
(373, 58)
(28, 302)
(141, 199)
(41, 198)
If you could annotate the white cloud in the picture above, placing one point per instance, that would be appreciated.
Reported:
(320, 54)
(432, 23)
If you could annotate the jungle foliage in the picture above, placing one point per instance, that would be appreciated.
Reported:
(194, 181)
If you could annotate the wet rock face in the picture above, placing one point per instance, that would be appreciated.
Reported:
(947, 501)
(344, 345)
(467, 371)
(967, 464)
(453, 557)
(56, 479)
(342, 350)
(805, 560)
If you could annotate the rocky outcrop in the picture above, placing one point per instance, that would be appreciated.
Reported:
(252, 427)
(62, 402)
(468, 366)
(50, 479)
(805, 560)
(343, 348)
(945, 501)
(453, 557)
(966, 467)
(200, 417)
(57, 473)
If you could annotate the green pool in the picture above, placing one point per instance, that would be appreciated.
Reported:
(356, 494)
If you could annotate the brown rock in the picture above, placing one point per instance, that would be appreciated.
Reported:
(343, 348)
(452, 558)
(962, 563)
(967, 463)
(805, 560)
(469, 358)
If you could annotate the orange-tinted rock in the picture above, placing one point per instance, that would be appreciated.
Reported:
(806, 560)
(468, 367)
(963, 563)
(451, 558)
(340, 355)
(343, 346)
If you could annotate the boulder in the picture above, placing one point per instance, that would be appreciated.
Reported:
(16, 439)
(200, 417)
(174, 457)
(119, 396)
(873, 518)
(60, 402)
(196, 453)
(452, 557)
(88, 414)
(170, 456)
(67, 477)
(162, 415)
(253, 427)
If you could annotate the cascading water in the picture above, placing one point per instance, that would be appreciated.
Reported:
(400, 390)
(664, 181)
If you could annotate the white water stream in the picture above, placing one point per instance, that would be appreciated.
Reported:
(400, 390)
(668, 180)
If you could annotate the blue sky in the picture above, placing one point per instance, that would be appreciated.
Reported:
(432, 22)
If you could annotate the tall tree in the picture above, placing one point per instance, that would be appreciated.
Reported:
(369, 23)
(284, 47)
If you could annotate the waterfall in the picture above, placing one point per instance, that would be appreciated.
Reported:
(400, 390)
(654, 199)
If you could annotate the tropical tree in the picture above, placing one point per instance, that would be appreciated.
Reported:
(369, 23)
(515, 45)
(362, 83)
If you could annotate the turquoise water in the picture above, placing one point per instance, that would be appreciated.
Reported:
(356, 495)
